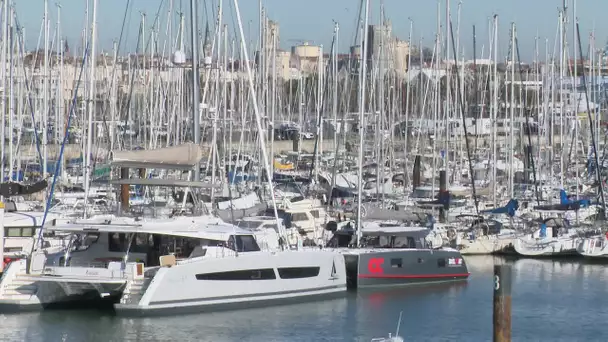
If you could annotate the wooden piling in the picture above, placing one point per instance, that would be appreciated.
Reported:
(502, 303)
(124, 190)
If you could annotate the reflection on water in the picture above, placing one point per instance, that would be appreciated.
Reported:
(552, 301)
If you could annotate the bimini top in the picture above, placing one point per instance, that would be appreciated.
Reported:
(202, 227)
(181, 157)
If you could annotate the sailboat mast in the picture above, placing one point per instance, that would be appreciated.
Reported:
(3, 75)
(335, 87)
(362, 83)
(45, 82)
(91, 109)
(196, 126)
(512, 113)
(494, 110)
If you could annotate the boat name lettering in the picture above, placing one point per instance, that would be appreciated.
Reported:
(455, 262)
(374, 265)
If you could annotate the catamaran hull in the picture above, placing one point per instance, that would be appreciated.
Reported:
(203, 306)
(251, 280)
(20, 291)
(398, 267)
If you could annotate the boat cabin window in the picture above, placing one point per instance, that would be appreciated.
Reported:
(314, 213)
(119, 242)
(244, 243)
(19, 231)
(441, 262)
(396, 262)
(256, 274)
(249, 224)
(390, 241)
(298, 272)
(297, 217)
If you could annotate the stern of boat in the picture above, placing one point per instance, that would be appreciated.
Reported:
(17, 289)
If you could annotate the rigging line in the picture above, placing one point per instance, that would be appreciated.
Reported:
(134, 63)
(30, 104)
(124, 110)
(464, 122)
(591, 128)
(113, 79)
(528, 153)
(65, 139)
(320, 99)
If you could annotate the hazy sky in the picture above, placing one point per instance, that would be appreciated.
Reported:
(312, 20)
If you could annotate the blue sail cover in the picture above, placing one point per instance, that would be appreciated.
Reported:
(543, 230)
(564, 199)
(508, 209)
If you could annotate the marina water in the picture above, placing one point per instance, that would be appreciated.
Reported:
(553, 300)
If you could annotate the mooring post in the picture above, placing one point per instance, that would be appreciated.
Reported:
(502, 303)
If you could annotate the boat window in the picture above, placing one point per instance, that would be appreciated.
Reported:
(298, 272)
(248, 224)
(397, 262)
(259, 274)
(441, 262)
(244, 243)
(119, 242)
(299, 217)
(315, 213)
(116, 242)
(141, 243)
(19, 231)
(411, 243)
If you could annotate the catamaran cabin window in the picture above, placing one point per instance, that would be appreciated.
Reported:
(298, 272)
(244, 243)
(260, 274)
(119, 242)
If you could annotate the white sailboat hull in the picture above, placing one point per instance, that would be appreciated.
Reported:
(560, 246)
(596, 247)
(485, 245)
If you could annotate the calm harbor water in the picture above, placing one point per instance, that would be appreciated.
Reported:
(552, 301)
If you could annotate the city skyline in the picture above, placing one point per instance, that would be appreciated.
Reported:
(313, 20)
